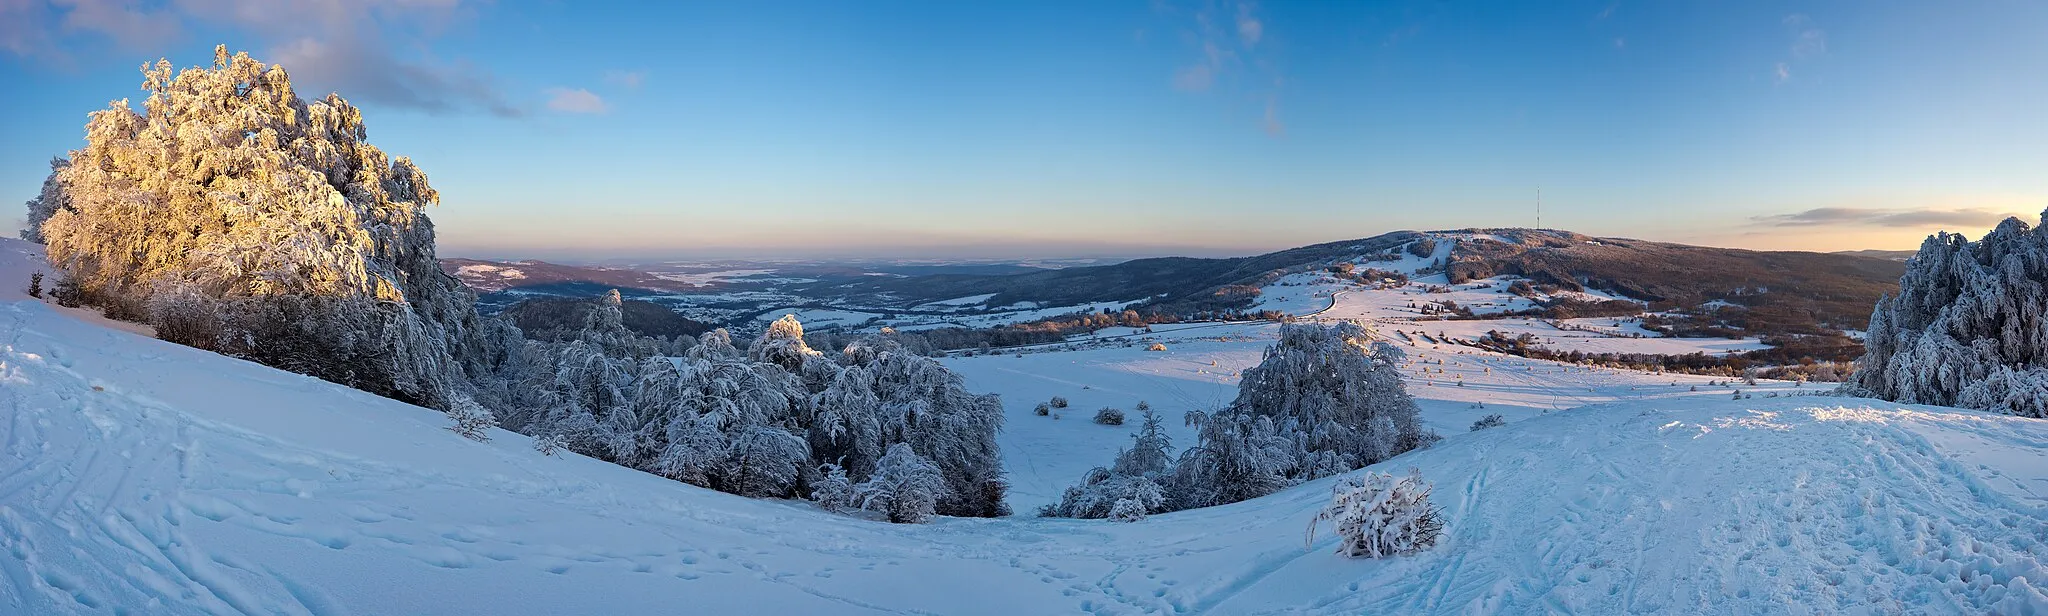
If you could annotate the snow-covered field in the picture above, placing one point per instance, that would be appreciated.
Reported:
(142, 477)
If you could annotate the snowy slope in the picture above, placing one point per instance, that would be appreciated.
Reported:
(142, 477)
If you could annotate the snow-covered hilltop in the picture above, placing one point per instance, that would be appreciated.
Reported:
(144, 477)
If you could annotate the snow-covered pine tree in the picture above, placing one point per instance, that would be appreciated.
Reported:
(277, 212)
(1969, 326)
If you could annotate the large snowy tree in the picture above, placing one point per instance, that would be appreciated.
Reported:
(236, 216)
(1969, 326)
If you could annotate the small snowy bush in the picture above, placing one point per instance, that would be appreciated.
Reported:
(835, 492)
(1377, 515)
(1489, 421)
(549, 444)
(1127, 510)
(472, 420)
(1109, 416)
(1060, 402)
(1042, 409)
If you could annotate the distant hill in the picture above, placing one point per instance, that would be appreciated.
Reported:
(1163, 279)
(1782, 289)
(1834, 290)
(540, 315)
(1891, 255)
(493, 276)
(1770, 292)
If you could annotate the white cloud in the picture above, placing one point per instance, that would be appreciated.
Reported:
(349, 46)
(575, 100)
(1783, 72)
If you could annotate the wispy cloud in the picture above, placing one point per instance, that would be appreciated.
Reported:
(1883, 217)
(35, 28)
(630, 80)
(1249, 28)
(575, 100)
(349, 46)
(362, 71)
(1807, 42)
(1229, 41)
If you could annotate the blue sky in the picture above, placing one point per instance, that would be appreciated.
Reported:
(800, 129)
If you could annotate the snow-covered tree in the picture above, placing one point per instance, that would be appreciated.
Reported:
(833, 491)
(1969, 326)
(921, 403)
(765, 462)
(47, 203)
(1377, 515)
(905, 486)
(471, 420)
(1151, 451)
(1325, 400)
(275, 212)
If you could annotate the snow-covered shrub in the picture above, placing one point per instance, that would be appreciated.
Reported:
(35, 285)
(833, 491)
(548, 444)
(1969, 326)
(1127, 510)
(1042, 409)
(1059, 402)
(1098, 494)
(1489, 421)
(905, 486)
(1156, 347)
(1109, 416)
(471, 420)
(229, 186)
(1377, 515)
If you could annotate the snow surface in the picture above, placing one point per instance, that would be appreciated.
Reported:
(147, 478)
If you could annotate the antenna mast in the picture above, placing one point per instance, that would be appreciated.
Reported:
(1539, 207)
